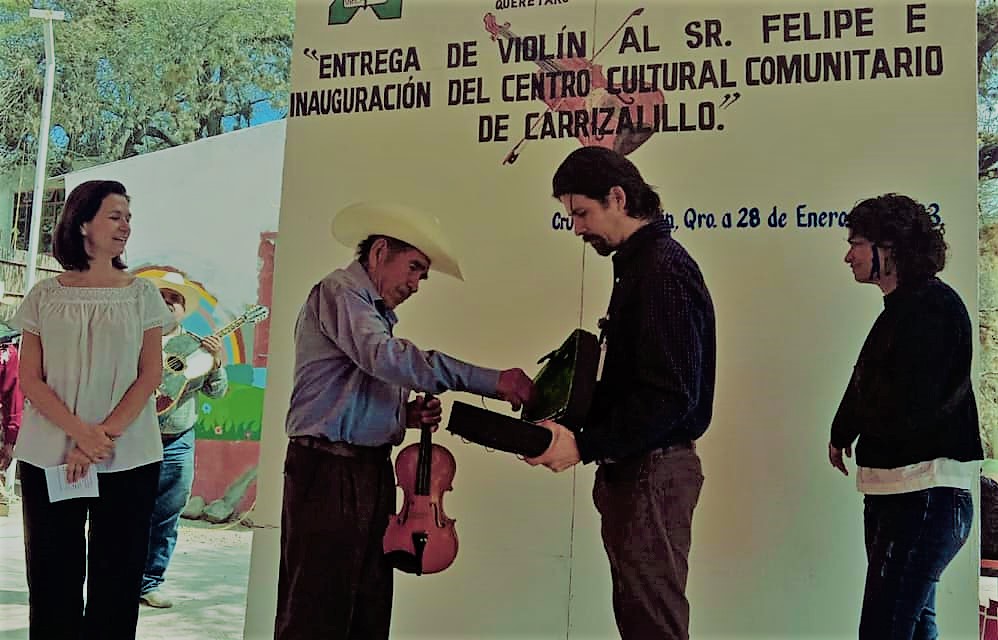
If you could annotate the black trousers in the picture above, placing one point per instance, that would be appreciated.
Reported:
(646, 506)
(334, 581)
(111, 558)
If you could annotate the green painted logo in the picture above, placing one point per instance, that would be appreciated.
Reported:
(343, 11)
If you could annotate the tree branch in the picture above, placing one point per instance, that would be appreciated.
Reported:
(155, 132)
(987, 157)
(987, 32)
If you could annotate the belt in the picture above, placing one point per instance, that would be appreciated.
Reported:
(675, 446)
(167, 438)
(342, 449)
(683, 444)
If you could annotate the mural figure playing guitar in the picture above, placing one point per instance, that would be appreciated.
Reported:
(176, 424)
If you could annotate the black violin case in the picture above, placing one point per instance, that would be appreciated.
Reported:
(563, 393)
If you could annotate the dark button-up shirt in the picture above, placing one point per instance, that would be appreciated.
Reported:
(657, 382)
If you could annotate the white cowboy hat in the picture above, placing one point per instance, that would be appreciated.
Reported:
(177, 282)
(357, 221)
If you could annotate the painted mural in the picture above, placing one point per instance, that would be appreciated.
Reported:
(214, 220)
(228, 428)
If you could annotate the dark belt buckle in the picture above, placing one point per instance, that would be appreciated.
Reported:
(685, 444)
(342, 449)
(321, 444)
(675, 446)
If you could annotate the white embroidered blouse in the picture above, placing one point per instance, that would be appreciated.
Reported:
(91, 339)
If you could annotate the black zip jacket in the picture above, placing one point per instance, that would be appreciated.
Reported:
(910, 398)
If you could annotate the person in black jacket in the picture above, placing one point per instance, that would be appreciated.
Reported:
(654, 398)
(911, 404)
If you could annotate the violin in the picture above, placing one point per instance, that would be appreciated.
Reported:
(598, 97)
(421, 538)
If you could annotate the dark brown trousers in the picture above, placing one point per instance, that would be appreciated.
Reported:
(646, 505)
(334, 581)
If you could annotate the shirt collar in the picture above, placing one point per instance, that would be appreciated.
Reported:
(363, 280)
(904, 291)
(656, 228)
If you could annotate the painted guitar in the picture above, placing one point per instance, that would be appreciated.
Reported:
(185, 363)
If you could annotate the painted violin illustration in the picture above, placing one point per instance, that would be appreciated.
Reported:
(597, 99)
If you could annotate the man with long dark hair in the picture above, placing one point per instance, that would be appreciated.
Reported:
(655, 395)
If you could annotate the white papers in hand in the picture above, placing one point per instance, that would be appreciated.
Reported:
(61, 489)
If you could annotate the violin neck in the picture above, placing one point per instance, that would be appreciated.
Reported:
(508, 34)
(546, 65)
(424, 464)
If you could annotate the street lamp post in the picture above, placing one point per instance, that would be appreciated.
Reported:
(43, 142)
(39, 193)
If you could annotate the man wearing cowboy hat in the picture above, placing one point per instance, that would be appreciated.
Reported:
(349, 406)
(176, 425)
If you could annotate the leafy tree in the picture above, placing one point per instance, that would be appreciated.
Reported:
(987, 204)
(987, 38)
(134, 76)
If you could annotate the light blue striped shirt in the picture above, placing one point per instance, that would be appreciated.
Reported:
(353, 377)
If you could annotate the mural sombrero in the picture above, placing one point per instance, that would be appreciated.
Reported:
(205, 314)
(176, 282)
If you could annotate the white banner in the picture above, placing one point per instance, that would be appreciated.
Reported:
(760, 124)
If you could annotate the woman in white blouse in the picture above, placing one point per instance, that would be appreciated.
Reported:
(90, 362)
